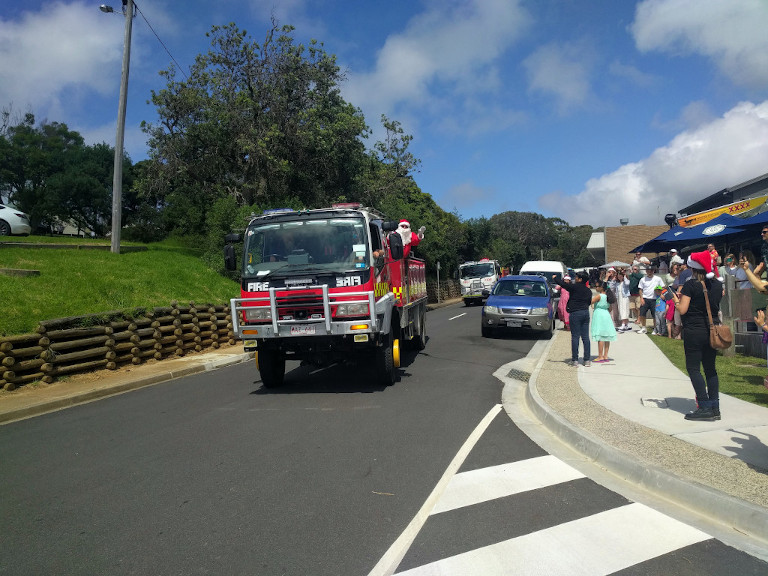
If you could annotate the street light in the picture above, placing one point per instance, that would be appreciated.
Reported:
(117, 180)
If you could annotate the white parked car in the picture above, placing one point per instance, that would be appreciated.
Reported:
(13, 221)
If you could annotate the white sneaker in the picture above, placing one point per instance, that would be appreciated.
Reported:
(654, 333)
(642, 331)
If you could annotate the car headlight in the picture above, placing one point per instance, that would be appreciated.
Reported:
(491, 309)
(538, 311)
(352, 309)
(260, 314)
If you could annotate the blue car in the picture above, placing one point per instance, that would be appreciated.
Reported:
(520, 303)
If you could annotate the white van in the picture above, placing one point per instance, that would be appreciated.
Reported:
(546, 268)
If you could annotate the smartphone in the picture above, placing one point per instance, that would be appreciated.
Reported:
(667, 294)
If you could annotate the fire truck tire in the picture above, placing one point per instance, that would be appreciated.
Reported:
(467, 301)
(384, 364)
(271, 368)
(421, 338)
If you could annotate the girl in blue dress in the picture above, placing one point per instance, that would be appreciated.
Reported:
(603, 330)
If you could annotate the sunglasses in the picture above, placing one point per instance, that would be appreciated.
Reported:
(764, 232)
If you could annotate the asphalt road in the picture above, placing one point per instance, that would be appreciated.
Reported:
(213, 474)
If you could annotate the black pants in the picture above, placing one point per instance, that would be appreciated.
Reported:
(699, 353)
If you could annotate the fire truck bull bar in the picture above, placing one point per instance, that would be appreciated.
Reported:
(279, 328)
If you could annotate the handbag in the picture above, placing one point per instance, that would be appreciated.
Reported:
(720, 336)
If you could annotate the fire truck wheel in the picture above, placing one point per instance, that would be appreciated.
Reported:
(396, 353)
(385, 364)
(421, 339)
(271, 368)
(467, 301)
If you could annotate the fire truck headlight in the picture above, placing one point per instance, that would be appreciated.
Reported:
(261, 313)
(352, 309)
(538, 311)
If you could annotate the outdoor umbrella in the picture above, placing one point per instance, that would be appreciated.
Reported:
(615, 264)
(679, 236)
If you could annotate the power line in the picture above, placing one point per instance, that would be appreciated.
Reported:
(178, 66)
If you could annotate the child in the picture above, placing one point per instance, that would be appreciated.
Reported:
(670, 317)
(660, 313)
(603, 330)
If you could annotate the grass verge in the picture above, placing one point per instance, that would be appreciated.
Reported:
(80, 282)
(740, 376)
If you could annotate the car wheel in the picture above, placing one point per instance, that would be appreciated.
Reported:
(549, 333)
(271, 368)
(5, 228)
(486, 332)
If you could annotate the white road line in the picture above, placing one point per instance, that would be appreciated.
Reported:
(600, 544)
(389, 562)
(459, 316)
(485, 484)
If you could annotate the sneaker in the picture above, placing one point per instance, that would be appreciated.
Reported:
(642, 331)
(573, 363)
(587, 364)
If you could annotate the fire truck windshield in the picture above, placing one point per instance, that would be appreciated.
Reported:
(332, 244)
(477, 270)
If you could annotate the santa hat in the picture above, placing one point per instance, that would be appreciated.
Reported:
(404, 221)
(701, 261)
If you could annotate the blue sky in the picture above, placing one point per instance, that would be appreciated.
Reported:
(588, 110)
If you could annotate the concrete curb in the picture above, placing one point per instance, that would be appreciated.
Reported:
(741, 516)
(192, 366)
(714, 506)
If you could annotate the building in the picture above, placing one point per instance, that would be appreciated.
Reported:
(615, 242)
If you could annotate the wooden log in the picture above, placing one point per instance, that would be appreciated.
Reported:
(47, 367)
(124, 335)
(48, 378)
(21, 339)
(124, 358)
(8, 361)
(166, 329)
(73, 333)
(28, 365)
(207, 343)
(80, 355)
(31, 351)
(27, 378)
(6, 346)
(44, 342)
(69, 344)
(215, 344)
(9, 375)
(111, 366)
(143, 332)
(68, 369)
(123, 346)
(110, 355)
(7, 386)
(165, 340)
(146, 343)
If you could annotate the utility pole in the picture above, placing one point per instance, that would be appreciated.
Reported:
(117, 180)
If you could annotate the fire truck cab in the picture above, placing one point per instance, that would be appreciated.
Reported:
(324, 286)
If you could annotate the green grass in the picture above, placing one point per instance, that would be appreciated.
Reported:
(80, 282)
(740, 376)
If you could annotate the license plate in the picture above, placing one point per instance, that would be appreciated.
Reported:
(514, 323)
(302, 330)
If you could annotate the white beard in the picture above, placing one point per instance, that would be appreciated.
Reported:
(405, 234)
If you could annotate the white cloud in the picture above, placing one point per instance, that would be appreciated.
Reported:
(450, 50)
(58, 53)
(696, 163)
(561, 71)
(731, 33)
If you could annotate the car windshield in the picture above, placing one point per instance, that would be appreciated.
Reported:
(520, 288)
(332, 244)
(477, 270)
(547, 275)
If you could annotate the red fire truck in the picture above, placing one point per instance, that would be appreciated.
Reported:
(326, 285)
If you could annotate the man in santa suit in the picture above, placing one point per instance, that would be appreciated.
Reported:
(410, 240)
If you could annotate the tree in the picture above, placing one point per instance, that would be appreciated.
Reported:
(261, 123)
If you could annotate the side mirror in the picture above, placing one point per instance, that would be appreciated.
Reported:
(395, 246)
(232, 238)
(486, 293)
(230, 261)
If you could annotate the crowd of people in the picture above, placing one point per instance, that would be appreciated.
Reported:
(677, 293)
